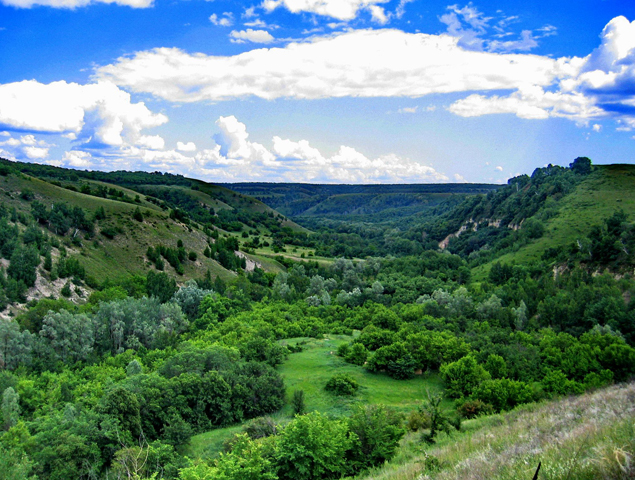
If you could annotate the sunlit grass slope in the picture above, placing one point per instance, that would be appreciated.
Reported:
(606, 190)
(590, 437)
(113, 258)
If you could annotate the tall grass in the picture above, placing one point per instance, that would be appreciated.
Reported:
(590, 437)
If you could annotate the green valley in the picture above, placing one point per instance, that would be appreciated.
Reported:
(155, 326)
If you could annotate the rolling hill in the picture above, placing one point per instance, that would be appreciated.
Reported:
(138, 211)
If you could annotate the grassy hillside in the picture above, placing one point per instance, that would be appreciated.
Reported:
(590, 437)
(123, 254)
(606, 190)
(136, 211)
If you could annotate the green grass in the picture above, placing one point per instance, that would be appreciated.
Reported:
(310, 369)
(209, 444)
(125, 254)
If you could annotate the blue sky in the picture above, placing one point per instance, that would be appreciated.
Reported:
(338, 91)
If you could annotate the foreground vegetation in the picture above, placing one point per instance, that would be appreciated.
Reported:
(587, 437)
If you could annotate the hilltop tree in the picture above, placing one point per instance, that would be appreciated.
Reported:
(581, 165)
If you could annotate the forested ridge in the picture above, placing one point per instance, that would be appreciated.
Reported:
(122, 377)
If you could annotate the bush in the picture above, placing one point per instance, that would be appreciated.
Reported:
(137, 215)
(504, 394)
(109, 232)
(377, 433)
(297, 402)
(463, 376)
(357, 354)
(312, 447)
(342, 384)
(66, 290)
(343, 349)
(474, 408)
(417, 420)
(261, 427)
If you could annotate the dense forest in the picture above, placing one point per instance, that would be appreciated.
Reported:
(115, 378)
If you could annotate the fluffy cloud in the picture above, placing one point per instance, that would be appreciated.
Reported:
(72, 4)
(600, 85)
(255, 36)
(237, 158)
(225, 20)
(186, 147)
(98, 115)
(340, 9)
(27, 147)
(155, 142)
(77, 158)
(359, 63)
(235, 146)
(378, 14)
(530, 103)
(349, 166)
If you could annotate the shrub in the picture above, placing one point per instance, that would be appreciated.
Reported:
(137, 215)
(503, 394)
(474, 408)
(297, 402)
(417, 420)
(343, 349)
(261, 427)
(312, 447)
(342, 384)
(66, 290)
(357, 354)
(377, 431)
(463, 376)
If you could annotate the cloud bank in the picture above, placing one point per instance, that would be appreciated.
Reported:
(96, 115)
(359, 63)
(234, 157)
(394, 63)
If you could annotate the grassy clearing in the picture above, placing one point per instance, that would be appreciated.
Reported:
(209, 444)
(587, 437)
(309, 370)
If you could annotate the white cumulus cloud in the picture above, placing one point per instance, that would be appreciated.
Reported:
(77, 158)
(339, 9)
(98, 114)
(250, 35)
(359, 63)
(224, 20)
(235, 157)
(27, 147)
(186, 147)
(600, 85)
